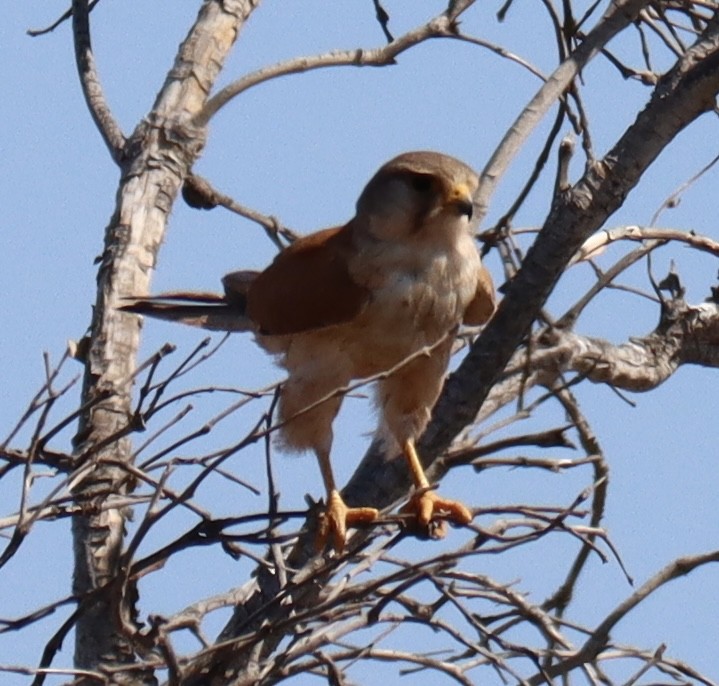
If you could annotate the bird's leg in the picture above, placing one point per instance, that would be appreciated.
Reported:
(425, 504)
(337, 516)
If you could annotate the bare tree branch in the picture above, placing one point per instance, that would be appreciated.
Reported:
(300, 613)
(133, 238)
(688, 336)
(597, 243)
(442, 26)
(599, 639)
(618, 16)
(198, 193)
(90, 81)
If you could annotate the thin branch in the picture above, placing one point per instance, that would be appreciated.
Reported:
(674, 199)
(442, 26)
(198, 193)
(618, 16)
(599, 638)
(383, 20)
(89, 79)
(599, 241)
(503, 52)
(33, 33)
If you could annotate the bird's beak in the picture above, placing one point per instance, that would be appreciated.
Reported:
(459, 199)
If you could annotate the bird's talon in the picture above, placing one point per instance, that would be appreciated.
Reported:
(432, 512)
(335, 520)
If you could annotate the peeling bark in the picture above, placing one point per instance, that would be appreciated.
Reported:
(156, 159)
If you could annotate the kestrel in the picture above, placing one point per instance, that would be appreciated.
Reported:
(356, 301)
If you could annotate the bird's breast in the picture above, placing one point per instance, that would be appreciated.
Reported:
(418, 296)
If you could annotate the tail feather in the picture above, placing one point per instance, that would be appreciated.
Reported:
(205, 310)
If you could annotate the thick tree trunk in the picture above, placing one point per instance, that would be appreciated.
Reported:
(155, 161)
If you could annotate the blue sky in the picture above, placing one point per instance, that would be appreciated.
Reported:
(301, 148)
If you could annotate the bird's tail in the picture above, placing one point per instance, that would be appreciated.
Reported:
(206, 310)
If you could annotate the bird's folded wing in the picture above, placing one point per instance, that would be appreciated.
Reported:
(308, 286)
(482, 307)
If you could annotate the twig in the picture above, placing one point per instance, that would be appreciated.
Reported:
(89, 79)
(383, 19)
(63, 18)
(198, 193)
(442, 26)
(617, 17)
(599, 638)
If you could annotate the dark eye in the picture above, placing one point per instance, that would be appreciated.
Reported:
(421, 183)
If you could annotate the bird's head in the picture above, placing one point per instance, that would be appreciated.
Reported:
(418, 193)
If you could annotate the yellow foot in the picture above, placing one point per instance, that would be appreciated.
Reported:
(336, 518)
(426, 506)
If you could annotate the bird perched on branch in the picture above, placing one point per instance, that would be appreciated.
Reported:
(386, 291)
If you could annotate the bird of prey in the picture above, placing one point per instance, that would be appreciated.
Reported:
(386, 291)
